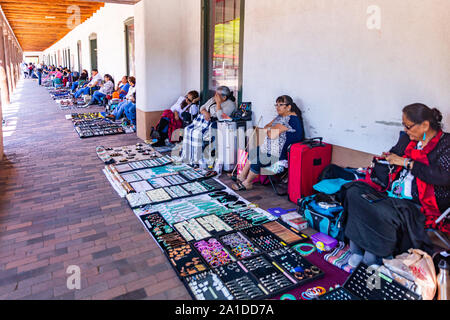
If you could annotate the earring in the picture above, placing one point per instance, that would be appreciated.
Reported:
(424, 136)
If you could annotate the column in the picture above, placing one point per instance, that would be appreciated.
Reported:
(163, 57)
(7, 59)
(11, 62)
(4, 90)
(1, 131)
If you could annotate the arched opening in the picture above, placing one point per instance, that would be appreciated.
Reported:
(93, 50)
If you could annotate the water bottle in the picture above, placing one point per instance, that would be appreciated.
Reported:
(443, 280)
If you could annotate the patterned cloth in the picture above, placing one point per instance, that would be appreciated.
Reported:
(193, 140)
(274, 147)
(339, 257)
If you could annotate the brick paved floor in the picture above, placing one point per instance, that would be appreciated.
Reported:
(57, 209)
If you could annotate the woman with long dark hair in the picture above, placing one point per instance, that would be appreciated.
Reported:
(286, 129)
(419, 192)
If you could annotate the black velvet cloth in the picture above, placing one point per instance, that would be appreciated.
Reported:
(388, 227)
(392, 226)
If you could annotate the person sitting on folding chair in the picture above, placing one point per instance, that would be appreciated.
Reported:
(286, 129)
(92, 86)
(381, 225)
(221, 106)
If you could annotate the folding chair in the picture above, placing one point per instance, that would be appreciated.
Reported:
(437, 234)
(276, 174)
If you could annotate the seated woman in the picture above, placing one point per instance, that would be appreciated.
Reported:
(420, 192)
(121, 89)
(127, 103)
(172, 119)
(65, 78)
(57, 77)
(106, 88)
(221, 106)
(286, 129)
(81, 80)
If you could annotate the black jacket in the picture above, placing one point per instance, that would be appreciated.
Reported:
(437, 173)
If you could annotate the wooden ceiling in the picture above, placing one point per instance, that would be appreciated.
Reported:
(38, 24)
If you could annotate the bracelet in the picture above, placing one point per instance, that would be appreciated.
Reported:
(404, 162)
(304, 253)
(409, 165)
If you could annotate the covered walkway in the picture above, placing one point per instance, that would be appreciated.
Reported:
(57, 209)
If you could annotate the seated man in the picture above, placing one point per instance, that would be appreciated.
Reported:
(221, 106)
(419, 192)
(286, 129)
(92, 85)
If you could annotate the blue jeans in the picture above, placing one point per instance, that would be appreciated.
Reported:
(74, 86)
(130, 112)
(120, 109)
(40, 78)
(84, 91)
(98, 96)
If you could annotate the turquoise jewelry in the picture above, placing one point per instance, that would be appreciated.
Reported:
(303, 245)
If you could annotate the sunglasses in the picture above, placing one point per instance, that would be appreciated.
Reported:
(187, 98)
(409, 127)
(279, 105)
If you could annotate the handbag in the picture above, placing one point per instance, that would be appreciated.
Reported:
(243, 113)
(380, 174)
(324, 214)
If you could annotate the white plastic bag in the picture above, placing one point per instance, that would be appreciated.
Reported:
(418, 266)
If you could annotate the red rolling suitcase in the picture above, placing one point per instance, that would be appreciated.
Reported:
(307, 160)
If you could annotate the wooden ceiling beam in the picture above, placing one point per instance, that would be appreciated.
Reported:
(44, 10)
(131, 2)
(55, 5)
(41, 17)
(51, 3)
(24, 22)
(33, 31)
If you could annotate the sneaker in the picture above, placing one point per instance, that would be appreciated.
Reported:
(355, 260)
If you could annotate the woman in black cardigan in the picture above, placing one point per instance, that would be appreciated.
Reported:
(418, 195)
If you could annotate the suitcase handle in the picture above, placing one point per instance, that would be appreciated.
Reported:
(314, 142)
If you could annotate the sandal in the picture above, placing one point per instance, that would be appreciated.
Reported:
(234, 177)
(239, 186)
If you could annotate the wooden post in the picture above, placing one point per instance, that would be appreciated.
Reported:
(4, 90)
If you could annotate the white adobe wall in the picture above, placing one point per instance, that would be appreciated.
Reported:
(167, 51)
(38, 54)
(351, 81)
(108, 23)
